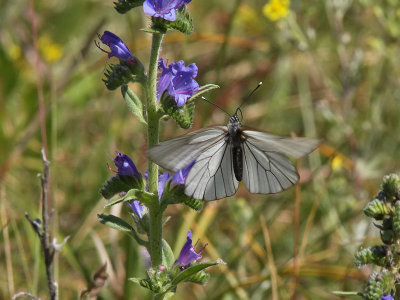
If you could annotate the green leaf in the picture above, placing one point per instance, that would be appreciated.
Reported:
(168, 258)
(114, 222)
(341, 293)
(121, 183)
(134, 194)
(199, 278)
(123, 6)
(189, 272)
(134, 104)
(203, 89)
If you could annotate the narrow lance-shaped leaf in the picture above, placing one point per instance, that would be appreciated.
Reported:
(114, 222)
(134, 194)
(168, 255)
(187, 273)
(133, 102)
(202, 90)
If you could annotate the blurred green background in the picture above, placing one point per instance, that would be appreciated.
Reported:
(330, 70)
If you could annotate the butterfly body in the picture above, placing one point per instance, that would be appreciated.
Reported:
(234, 137)
(222, 156)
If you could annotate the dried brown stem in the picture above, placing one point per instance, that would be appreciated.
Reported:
(41, 227)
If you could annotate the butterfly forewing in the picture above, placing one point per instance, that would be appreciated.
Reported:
(177, 153)
(266, 167)
(290, 146)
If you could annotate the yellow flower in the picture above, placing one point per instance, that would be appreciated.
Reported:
(50, 51)
(276, 9)
(337, 162)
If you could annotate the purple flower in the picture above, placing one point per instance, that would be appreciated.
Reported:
(117, 46)
(180, 176)
(125, 165)
(137, 208)
(162, 180)
(188, 253)
(177, 80)
(165, 9)
(387, 297)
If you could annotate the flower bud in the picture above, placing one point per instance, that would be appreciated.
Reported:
(396, 219)
(391, 185)
(377, 209)
(372, 255)
(374, 289)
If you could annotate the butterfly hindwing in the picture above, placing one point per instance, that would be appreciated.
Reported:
(266, 172)
(212, 176)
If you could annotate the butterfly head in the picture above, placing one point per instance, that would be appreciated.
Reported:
(234, 123)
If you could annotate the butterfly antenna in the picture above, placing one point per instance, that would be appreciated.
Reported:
(205, 99)
(248, 97)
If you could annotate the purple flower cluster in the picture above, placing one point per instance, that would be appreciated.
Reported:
(165, 9)
(125, 166)
(188, 253)
(387, 297)
(177, 80)
(117, 46)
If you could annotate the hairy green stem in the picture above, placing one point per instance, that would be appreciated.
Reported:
(155, 210)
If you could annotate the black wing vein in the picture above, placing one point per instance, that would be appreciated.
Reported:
(266, 171)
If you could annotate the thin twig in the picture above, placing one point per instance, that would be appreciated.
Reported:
(7, 244)
(295, 277)
(271, 262)
(41, 227)
(42, 109)
(48, 249)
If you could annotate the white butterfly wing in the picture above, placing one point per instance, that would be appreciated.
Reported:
(266, 169)
(177, 153)
(290, 146)
(212, 176)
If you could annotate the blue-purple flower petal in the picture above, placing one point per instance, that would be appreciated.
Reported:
(136, 208)
(125, 165)
(177, 80)
(117, 46)
(165, 9)
(188, 253)
(387, 297)
(162, 179)
(180, 176)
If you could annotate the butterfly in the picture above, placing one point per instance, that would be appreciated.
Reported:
(222, 156)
